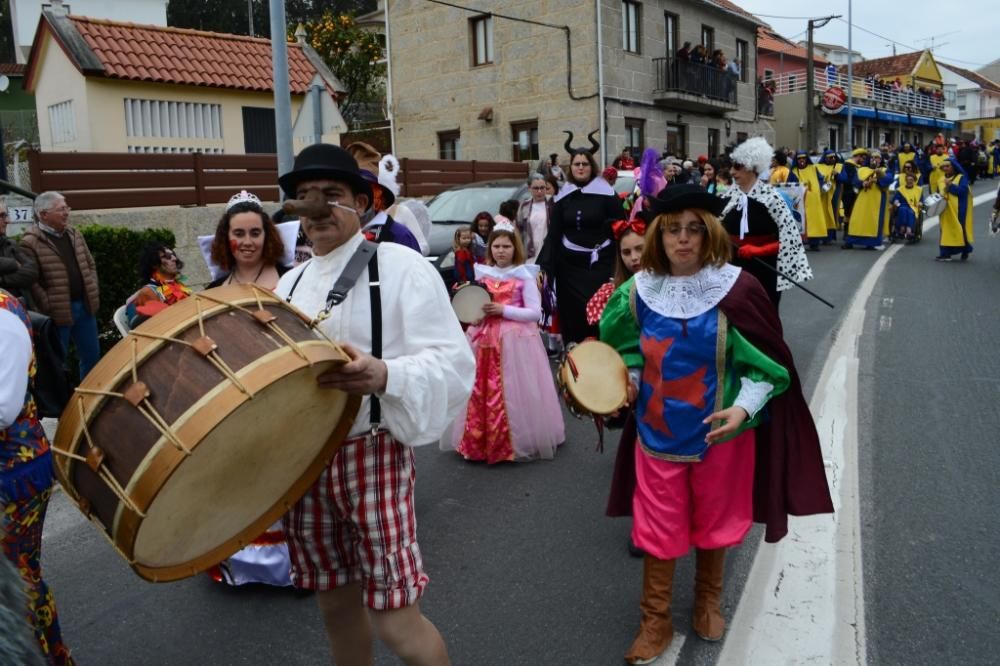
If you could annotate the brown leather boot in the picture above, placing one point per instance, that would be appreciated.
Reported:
(707, 620)
(656, 629)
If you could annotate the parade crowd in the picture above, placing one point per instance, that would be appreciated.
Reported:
(682, 277)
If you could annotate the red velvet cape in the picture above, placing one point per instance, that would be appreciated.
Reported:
(789, 478)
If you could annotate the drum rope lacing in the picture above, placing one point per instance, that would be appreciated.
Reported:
(139, 393)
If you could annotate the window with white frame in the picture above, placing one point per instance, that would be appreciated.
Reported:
(741, 57)
(161, 119)
(62, 124)
(631, 20)
(482, 40)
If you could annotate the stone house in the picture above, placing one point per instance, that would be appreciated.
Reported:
(502, 80)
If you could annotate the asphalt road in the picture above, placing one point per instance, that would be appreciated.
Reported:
(525, 568)
(930, 462)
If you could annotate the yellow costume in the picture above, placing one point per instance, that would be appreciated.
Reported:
(831, 199)
(956, 218)
(816, 212)
(869, 220)
(936, 176)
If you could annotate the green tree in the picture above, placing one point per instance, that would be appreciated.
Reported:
(355, 56)
(231, 16)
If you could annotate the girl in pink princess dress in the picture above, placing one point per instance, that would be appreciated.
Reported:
(513, 413)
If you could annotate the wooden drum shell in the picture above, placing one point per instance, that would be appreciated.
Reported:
(201, 405)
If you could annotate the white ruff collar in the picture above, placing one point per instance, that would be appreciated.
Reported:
(596, 186)
(685, 297)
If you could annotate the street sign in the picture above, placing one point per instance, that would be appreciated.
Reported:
(834, 99)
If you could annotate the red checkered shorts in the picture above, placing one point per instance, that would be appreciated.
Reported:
(356, 524)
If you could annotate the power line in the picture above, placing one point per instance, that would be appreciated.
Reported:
(912, 48)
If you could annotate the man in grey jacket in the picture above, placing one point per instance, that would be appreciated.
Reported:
(67, 287)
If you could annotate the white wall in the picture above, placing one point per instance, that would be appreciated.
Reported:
(25, 15)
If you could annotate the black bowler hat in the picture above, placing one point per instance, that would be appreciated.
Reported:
(675, 198)
(324, 161)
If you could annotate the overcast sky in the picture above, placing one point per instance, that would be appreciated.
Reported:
(964, 30)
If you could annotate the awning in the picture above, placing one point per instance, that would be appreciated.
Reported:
(892, 116)
(945, 124)
(923, 121)
(859, 112)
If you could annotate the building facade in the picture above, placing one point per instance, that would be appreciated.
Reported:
(103, 86)
(895, 100)
(969, 94)
(834, 53)
(506, 85)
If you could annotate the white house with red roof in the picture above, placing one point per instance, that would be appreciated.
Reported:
(108, 86)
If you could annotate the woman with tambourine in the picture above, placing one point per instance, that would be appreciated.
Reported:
(706, 357)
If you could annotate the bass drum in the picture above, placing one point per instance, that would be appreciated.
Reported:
(201, 428)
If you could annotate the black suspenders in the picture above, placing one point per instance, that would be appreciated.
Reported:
(366, 254)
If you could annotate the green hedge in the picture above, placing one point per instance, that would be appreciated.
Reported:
(116, 252)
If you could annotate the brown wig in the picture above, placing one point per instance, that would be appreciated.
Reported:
(622, 273)
(484, 215)
(518, 257)
(715, 246)
(222, 254)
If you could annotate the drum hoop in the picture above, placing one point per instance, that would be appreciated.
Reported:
(471, 287)
(143, 487)
(179, 318)
(566, 381)
(170, 323)
(128, 528)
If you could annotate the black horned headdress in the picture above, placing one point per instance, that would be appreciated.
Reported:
(576, 151)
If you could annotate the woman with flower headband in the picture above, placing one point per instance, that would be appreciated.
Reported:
(513, 413)
(247, 247)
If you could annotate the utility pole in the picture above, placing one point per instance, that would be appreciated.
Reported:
(250, 15)
(850, 79)
(811, 82)
(282, 91)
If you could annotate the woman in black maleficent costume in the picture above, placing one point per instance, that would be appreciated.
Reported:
(579, 251)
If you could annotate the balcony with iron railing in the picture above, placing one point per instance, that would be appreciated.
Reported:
(866, 92)
(682, 84)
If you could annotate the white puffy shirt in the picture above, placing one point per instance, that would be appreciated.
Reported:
(15, 358)
(430, 364)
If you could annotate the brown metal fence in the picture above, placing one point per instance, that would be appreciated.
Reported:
(133, 180)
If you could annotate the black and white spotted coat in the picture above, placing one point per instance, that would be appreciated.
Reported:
(792, 259)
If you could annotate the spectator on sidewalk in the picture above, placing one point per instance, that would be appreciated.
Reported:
(17, 271)
(67, 288)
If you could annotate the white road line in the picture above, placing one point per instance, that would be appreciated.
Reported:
(803, 602)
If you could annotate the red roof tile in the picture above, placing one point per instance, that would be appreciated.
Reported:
(736, 9)
(192, 57)
(887, 67)
(768, 40)
(975, 77)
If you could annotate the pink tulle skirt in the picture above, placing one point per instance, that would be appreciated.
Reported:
(514, 412)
